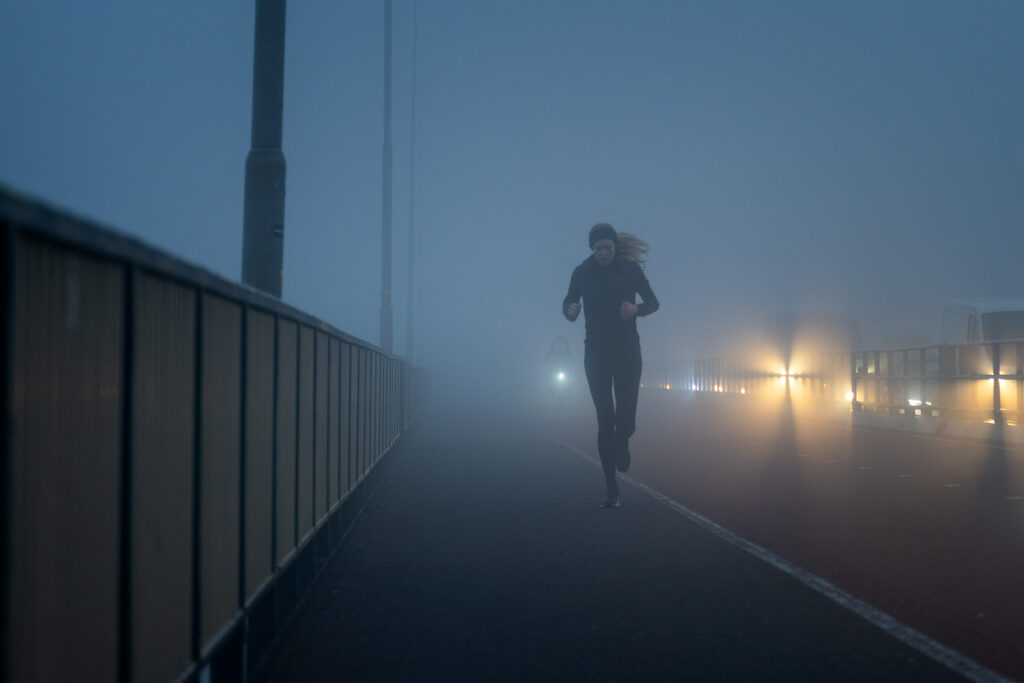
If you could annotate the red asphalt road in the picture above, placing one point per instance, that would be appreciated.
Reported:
(929, 530)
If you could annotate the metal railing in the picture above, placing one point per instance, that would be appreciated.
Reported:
(982, 381)
(180, 455)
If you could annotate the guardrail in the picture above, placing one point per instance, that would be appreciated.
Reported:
(982, 381)
(180, 455)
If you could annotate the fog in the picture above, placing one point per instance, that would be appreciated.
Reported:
(864, 158)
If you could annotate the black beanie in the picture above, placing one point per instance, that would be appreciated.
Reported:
(602, 231)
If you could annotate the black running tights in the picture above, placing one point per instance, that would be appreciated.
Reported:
(615, 371)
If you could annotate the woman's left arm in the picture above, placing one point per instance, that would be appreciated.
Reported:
(643, 287)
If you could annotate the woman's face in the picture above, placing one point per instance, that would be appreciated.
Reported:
(604, 251)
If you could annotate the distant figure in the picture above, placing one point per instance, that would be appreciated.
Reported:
(608, 282)
(558, 356)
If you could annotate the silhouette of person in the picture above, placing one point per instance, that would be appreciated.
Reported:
(558, 356)
(607, 282)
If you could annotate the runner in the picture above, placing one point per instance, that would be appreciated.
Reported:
(608, 282)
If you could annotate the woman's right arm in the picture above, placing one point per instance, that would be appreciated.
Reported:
(571, 302)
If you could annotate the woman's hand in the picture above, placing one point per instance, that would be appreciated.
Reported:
(628, 310)
(573, 311)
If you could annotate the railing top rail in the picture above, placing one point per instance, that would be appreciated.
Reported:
(43, 221)
(753, 357)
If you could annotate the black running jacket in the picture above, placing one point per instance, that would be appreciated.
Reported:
(603, 289)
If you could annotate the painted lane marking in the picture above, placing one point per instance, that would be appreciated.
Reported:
(933, 649)
(1013, 497)
(952, 486)
(906, 476)
(865, 467)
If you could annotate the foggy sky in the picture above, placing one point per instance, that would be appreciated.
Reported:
(864, 157)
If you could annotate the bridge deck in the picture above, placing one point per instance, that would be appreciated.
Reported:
(484, 555)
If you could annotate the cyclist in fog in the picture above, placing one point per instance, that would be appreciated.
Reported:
(608, 282)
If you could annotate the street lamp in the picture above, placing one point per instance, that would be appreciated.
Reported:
(263, 219)
(410, 270)
(386, 321)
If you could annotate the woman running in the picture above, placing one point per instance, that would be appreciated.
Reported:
(608, 282)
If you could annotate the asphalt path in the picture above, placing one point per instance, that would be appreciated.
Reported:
(483, 555)
(928, 530)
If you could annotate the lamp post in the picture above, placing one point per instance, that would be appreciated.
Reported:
(386, 321)
(410, 270)
(263, 218)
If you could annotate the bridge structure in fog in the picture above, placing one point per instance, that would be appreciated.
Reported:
(181, 454)
(965, 386)
(203, 483)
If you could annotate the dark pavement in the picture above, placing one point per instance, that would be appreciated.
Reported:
(484, 556)
(930, 530)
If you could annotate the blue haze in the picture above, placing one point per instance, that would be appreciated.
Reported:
(864, 157)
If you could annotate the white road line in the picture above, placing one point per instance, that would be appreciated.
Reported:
(942, 654)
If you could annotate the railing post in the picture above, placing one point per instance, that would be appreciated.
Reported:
(125, 645)
(853, 379)
(8, 248)
(923, 381)
(947, 379)
(997, 411)
(1020, 382)
(889, 392)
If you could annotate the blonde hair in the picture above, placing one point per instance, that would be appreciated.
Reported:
(631, 247)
